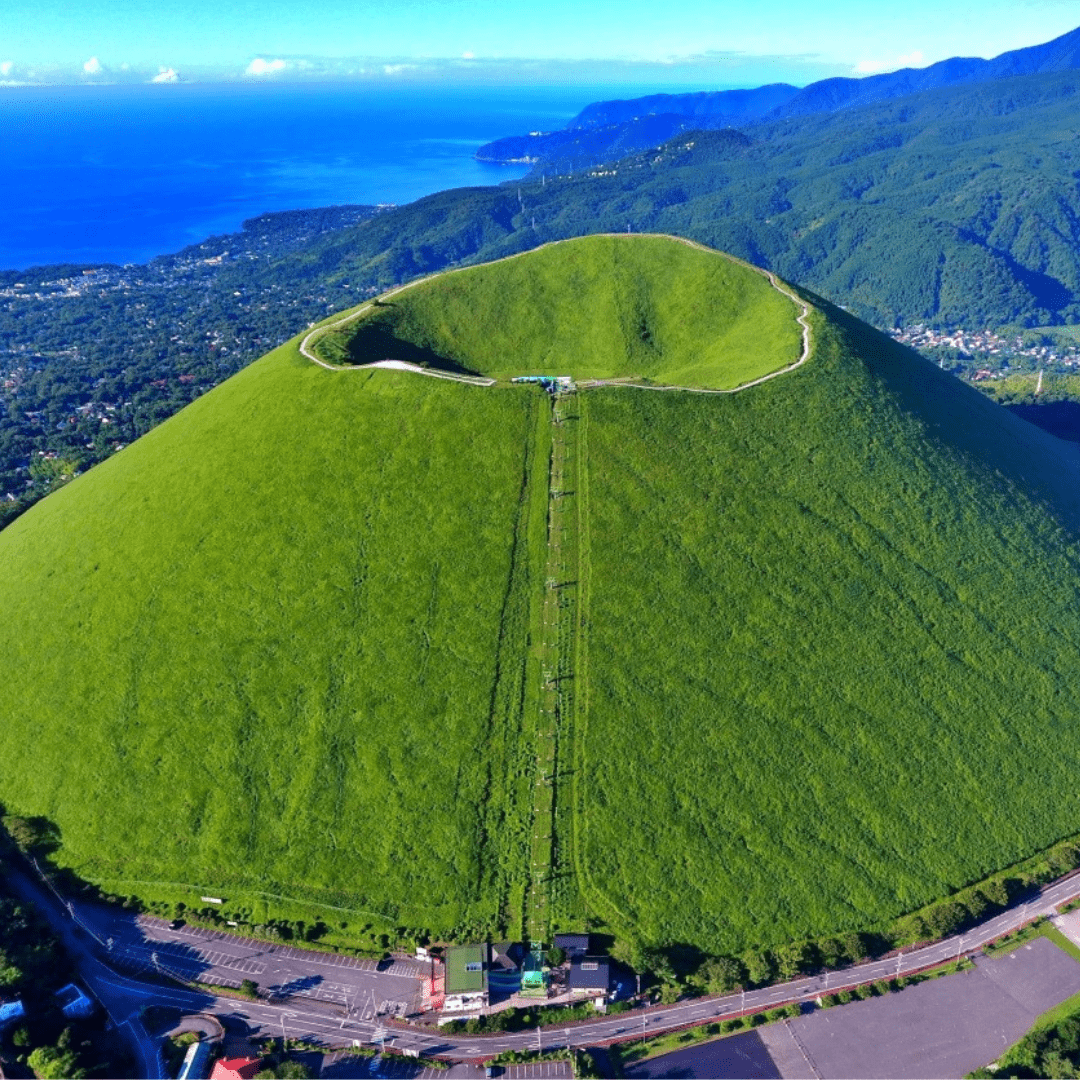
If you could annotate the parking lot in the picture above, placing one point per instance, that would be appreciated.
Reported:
(361, 988)
(942, 1028)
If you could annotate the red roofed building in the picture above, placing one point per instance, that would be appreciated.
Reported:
(235, 1068)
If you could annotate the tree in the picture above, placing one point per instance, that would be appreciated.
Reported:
(794, 959)
(293, 1070)
(759, 968)
(944, 919)
(996, 892)
(31, 834)
(856, 947)
(51, 1063)
(723, 973)
(658, 964)
(10, 973)
(249, 988)
(832, 952)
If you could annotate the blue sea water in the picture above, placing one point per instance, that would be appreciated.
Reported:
(124, 173)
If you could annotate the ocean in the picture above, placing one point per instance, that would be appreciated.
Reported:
(123, 173)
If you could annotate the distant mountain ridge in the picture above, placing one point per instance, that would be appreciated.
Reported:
(607, 130)
(705, 104)
(831, 95)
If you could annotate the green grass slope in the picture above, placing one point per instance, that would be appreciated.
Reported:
(822, 650)
(597, 307)
(268, 650)
(832, 648)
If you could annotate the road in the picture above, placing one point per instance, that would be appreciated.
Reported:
(331, 1021)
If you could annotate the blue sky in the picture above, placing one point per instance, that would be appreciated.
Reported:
(700, 42)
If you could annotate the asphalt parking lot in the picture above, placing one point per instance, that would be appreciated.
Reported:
(363, 988)
(739, 1057)
(942, 1028)
(946, 1027)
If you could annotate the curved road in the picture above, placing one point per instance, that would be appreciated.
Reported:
(330, 1024)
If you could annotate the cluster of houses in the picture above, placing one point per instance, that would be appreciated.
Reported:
(476, 976)
(74, 1003)
(986, 343)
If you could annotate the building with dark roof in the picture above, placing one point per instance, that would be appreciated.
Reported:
(572, 944)
(10, 1011)
(589, 976)
(507, 956)
(74, 1004)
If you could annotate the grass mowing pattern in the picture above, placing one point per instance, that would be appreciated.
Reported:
(517, 703)
(554, 898)
(596, 307)
(832, 634)
(274, 649)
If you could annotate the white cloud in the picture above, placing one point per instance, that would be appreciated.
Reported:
(259, 66)
(468, 56)
(914, 59)
(93, 66)
(165, 75)
(397, 69)
(6, 66)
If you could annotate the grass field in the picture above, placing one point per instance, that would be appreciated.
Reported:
(597, 307)
(811, 647)
(831, 646)
(275, 649)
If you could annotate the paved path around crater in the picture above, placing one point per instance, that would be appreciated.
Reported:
(307, 351)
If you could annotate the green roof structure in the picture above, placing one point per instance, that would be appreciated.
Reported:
(466, 969)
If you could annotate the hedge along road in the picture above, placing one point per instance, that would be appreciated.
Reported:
(300, 1018)
(802, 319)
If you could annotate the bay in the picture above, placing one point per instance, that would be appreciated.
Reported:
(123, 173)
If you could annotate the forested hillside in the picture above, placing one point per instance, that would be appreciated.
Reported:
(956, 207)
(606, 130)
